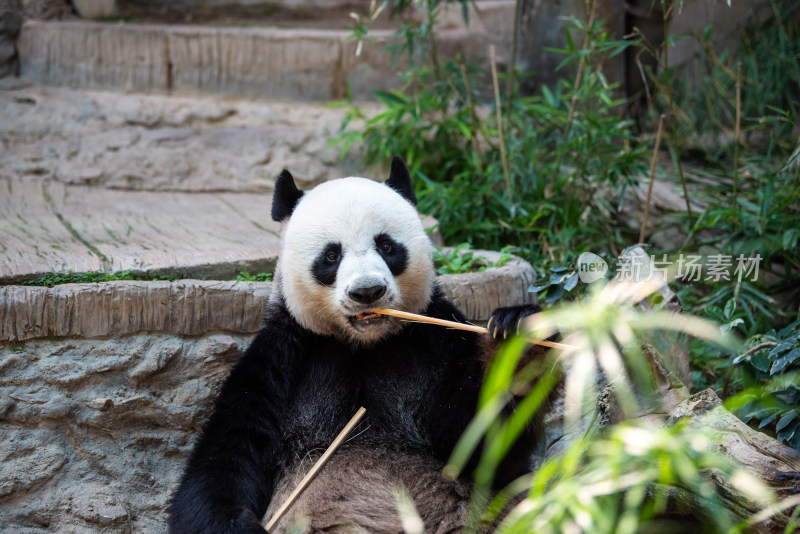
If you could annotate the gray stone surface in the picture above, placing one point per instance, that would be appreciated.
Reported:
(185, 307)
(302, 64)
(47, 9)
(269, 63)
(93, 434)
(95, 9)
(71, 158)
(162, 143)
(10, 22)
(48, 227)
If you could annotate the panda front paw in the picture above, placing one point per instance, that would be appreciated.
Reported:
(505, 321)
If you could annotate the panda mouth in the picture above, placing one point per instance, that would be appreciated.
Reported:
(366, 319)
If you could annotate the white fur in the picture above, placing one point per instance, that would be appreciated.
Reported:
(352, 211)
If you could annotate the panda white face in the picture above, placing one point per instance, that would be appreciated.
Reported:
(350, 245)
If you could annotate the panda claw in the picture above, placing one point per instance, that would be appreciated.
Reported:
(508, 321)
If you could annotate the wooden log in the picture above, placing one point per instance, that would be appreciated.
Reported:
(757, 453)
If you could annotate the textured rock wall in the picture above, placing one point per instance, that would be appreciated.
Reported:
(253, 62)
(167, 143)
(101, 55)
(94, 433)
(47, 9)
(186, 307)
(10, 22)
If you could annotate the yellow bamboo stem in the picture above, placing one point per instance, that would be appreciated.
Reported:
(461, 326)
(503, 159)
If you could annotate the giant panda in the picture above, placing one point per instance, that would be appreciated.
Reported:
(348, 245)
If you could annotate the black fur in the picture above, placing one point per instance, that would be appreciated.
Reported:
(292, 392)
(326, 264)
(393, 253)
(285, 197)
(400, 180)
(504, 322)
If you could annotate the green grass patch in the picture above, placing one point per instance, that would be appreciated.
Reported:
(56, 279)
(91, 277)
(459, 261)
(245, 276)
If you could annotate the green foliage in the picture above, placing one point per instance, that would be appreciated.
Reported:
(764, 221)
(457, 261)
(770, 88)
(570, 154)
(750, 203)
(414, 41)
(607, 480)
(765, 376)
(771, 375)
(749, 194)
(245, 276)
(605, 483)
(561, 279)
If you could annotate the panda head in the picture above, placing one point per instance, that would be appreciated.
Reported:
(350, 245)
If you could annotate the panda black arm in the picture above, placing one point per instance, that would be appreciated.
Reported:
(454, 401)
(229, 478)
(451, 402)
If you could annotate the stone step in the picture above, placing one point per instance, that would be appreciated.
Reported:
(167, 143)
(300, 64)
(269, 63)
(48, 227)
(178, 186)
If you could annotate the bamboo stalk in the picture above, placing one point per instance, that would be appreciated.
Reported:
(652, 178)
(591, 9)
(475, 142)
(315, 469)
(512, 68)
(461, 326)
(674, 127)
(500, 122)
(736, 135)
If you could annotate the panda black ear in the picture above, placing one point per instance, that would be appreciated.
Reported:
(285, 197)
(400, 180)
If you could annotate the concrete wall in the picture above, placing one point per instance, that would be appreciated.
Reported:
(728, 22)
(543, 26)
(253, 62)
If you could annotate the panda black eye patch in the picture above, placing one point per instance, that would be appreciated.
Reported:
(393, 253)
(326, 264)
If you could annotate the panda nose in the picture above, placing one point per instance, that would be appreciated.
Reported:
(367, 295)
